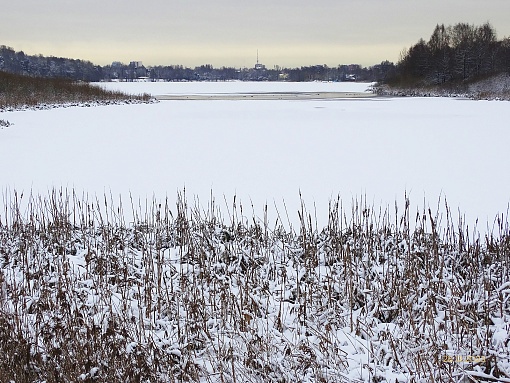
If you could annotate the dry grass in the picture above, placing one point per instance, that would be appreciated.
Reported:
(184, 294)
(18, 91)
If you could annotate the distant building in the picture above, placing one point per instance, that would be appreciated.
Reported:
(135, 64)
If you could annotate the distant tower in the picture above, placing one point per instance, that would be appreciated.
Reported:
(259, 66)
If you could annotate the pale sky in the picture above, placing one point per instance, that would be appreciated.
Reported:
(229, 33)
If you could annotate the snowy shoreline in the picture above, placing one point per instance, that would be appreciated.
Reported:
(45, 106)
(495, 88)
(417, 92)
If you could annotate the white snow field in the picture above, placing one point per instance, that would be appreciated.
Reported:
(269, 151)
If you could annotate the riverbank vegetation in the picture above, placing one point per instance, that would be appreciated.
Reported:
(182, 293)
(462, 59)
(18, 91)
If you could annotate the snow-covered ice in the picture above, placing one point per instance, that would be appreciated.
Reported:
(269, 151)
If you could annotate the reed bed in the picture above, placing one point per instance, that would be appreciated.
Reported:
(180, 293)
(17, 91)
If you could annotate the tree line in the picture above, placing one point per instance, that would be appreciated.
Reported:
(47, 67)
(453, 54)
(80, 70)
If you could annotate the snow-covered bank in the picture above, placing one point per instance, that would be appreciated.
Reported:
(492, 88)
(45, 106)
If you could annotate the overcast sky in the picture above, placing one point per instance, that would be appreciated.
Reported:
(288, 33)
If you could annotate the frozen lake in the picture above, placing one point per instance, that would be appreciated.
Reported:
(269, 151)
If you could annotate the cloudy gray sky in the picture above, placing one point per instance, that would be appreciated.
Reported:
(227, 32)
